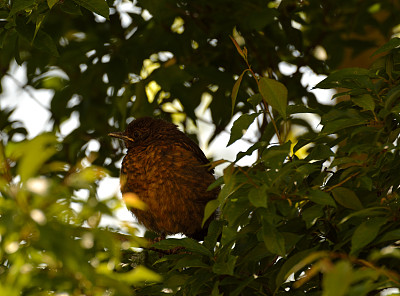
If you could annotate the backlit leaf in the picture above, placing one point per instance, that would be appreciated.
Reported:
(240, 126)
(337, 281)
(275, 93)
(235, 90)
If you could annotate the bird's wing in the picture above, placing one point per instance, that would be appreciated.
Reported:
(191, 146)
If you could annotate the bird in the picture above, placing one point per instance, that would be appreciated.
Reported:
(170, 174)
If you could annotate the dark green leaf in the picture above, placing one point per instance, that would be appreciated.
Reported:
(287, 267)
(225, 265)
(274, 240)
(275, 156)
(235, 90)
(321, 198)
(187, 243)
(320, 152)
(258, 196)
(97, 6)
(391, 97)
(254, 100)
(365, 233)
(347, 198)
(340, 78)
(240, 126)
(312, 214)
(334, 126)
(393, 43)
(19, 5)
(365, 101)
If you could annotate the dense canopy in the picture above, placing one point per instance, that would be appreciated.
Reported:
(316, 212)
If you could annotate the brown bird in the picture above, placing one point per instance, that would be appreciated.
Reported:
(166, 170)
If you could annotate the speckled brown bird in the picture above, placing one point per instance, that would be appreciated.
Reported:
(169, 173)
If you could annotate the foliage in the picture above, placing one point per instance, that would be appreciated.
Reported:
(325, 222)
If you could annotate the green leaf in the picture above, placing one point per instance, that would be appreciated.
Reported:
(240, 126)
(225, 265)
(275, 156)
(367, 212)
(19, 5)
(138, 275)
(333, 126)
(320, 152)
(210, 208)
(274, 240)
(391, 97)
(254, 100)
(321, 198)
(393, 43)
(365, 233)
(189, 261)
(311, 215)
(275, 93)
(97, 6)
(258, 196)
(365, 101)
(393, 235)
(235, 90)
(336, 282)
(39, 21)
(188, 243)
(347, 198)
(343, 78)
(42, 40)
(287, 267)
(33, 154)
(51, 3)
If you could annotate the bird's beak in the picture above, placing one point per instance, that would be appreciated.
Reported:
(120, 135)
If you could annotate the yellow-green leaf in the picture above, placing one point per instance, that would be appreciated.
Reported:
(51, 3)
(275, 93)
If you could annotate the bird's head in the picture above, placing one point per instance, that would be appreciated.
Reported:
(145, 130)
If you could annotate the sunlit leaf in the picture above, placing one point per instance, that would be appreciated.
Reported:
(33, 154)
(337, 281)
